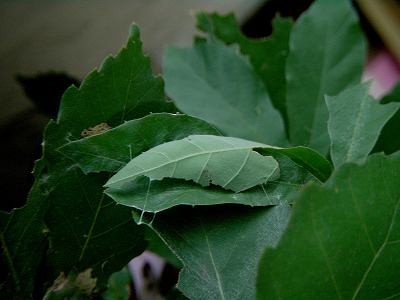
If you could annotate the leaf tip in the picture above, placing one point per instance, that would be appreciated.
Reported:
(134, 31)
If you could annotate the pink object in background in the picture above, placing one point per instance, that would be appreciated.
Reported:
(384, 72)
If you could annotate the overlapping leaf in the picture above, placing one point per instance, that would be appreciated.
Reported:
(327, 51)
(219, 246)
(224, 161)
(268, 56)
(216, 83)
(355, 122)
(342, 240)
(112, 150)
(297, 166)
(124, 87)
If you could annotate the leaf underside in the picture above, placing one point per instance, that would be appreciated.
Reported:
(268, 56)
(212, 243)
(216, 83)
(224, 161)
(326, 55)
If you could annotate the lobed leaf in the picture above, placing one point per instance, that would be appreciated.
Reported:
(327, 51)
(342, 240)
(355, 122)
(219, 246)
(86, 230)
(228, 162)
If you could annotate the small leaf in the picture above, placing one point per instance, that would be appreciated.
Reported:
(355, 122)
(216, 83)
(219, 246)
(228, 162)
(113, 149)
(342, 240)
(305, 157)
(327, 51)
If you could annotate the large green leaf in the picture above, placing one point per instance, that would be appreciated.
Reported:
(342, 240)
(93, 233)
(216, 83)
(355, 122)
(219, 246)
(327, 51)
(89, 234)
(389, 141)
(113, 149)
(268, 56)
(206, 159)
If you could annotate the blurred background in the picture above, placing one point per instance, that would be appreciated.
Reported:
(71, 38)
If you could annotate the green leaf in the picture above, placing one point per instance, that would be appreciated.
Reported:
(305, 157)
(297, 166)
(93, 232)
(355, 122)
(113, 149)
(219, 246)
(123, 88)
(327, 51)
(216, 83)
(88, 232)
(268, 56)
(118, 283)
(155, 196)
(23, 240)
(389, 141)
(228, 162)
(342, 240)
(158, 246)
